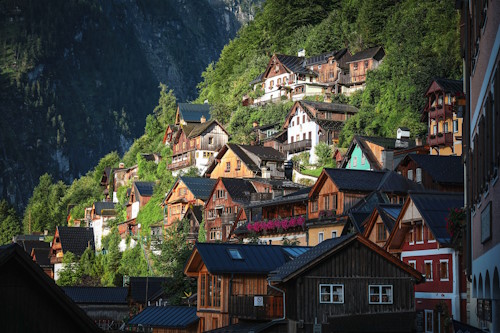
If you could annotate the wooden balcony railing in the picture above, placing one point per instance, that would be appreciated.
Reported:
(251, 307)
(298, 146)
(446, 139)
(227, 217)
(180, 164)
(256, 197)
(441, 111)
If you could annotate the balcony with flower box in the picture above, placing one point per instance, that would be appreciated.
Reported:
(277, 225)
(440, 139)
(298, 146)
(441, 111)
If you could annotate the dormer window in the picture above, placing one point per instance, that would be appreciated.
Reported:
(277, 68)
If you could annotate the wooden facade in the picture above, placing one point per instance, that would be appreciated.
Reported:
(178, 201)
(230, 165)
(351, 278)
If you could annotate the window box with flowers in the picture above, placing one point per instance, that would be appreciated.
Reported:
(440, 135)
(326, 214)
(276, 225)
(455, 224)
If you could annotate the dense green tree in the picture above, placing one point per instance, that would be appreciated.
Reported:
(69, 275)
(133, 262)
(324, 153)
(167, 106)
(10, 225)
(112, 276)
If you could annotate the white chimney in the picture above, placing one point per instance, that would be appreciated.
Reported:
(403, 133)
(205, 101)
(301, 53)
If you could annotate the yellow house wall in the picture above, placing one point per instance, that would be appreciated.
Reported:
(314, 231)
(220, 168)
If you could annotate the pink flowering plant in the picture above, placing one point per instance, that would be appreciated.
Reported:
(276, 224)
(326, 214)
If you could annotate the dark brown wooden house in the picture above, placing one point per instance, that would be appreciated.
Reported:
(232, 282)
(348, 284)
(31, 302)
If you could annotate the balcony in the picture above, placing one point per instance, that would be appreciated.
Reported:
(298, 146)
(251, 307)
(441, 112)
(257, 197)
(226, 218)
(181, 164)
(446, 139)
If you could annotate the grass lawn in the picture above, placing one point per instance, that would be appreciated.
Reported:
(316, 172)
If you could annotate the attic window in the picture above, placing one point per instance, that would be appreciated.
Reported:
(235, 254)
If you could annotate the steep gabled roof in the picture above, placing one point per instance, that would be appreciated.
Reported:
(442, 169)
(257, 79)
(198, 129)
(454, 87)
(97, 295)
(434, 208)
(42, 256)
(193, 112)
(144, 189)
(106, 206)
(328, 247)
(393, 182)
(363, 208)
(255, 259)
(376, 53)
(200, 187)
(295, 64)
(238, 189)
(28, 245)
(355, 180)
(331, 107)
(264, 153)
(13, 257)
(166, 316)
(75, 239)
(388, 214)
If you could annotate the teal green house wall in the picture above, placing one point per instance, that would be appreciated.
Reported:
(357, 153)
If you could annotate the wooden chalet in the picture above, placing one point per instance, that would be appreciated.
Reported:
(194, 216)
(232, 282)
(246, 161)
(41, 257)
(440, 173)
(264, 132)
(347, 284)
(278, 210)
(195, 144)
(169, 134)
(444, 122)
(309, 123)
(166, 319)
(30, 301)
(225, 207)
(186, 192)
(381, 222)
(421, 239)
(106, 306)
(69, 239)
(140, 195)
(378, 153)
(188, 113)
(330, 66)
(122, 177)
(359, 65)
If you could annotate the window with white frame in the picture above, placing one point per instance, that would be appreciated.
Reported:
(455, 126)
(354, 161)
(419, 233)
(443, 270)
(331, 293)
(412, 264)
(428, 270)
(380, 294)
(418, 175)
(334, 234)
(321, 237)
(363, 159)
(429, 321)
(410, 174)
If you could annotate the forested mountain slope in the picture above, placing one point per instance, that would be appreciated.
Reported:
(78, 78)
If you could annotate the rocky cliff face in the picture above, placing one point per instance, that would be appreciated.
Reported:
(78, 77)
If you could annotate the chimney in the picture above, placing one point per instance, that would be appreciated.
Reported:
(403, 133)
(265, 173)
(255, 124)
(388, 159)
(301, 53)
(203, 119)
(121, 165)
(205, 101)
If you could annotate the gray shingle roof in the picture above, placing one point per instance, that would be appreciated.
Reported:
(374, 52)
(193, 112)
(166, 316)
(264, 153)
(238, 189)
(200, 187)
(100, 206)
(363, 208)
(76, 239)
(389, 213)
(332, 107)
(28, 245)
(451, 86)
(138, 287)
(42, 256)
(295, 64)
(256, 259)
(287, 269)
(442, 169)
(355, 180)
(393, 182)
(434, 208)
(144, 189)
(97, 295)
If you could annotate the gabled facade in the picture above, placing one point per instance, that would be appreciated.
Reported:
(359, 65)
(378, 153)
(421, 239)
(194, 145)
(231, 276)
(444, 122)
(69, 239)
(326, 290)
(246, 161)
(309, 123)
(140, 195)
(381, 222)
(225, 207)
(440, 173)
(169, 134)
(186, 192)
